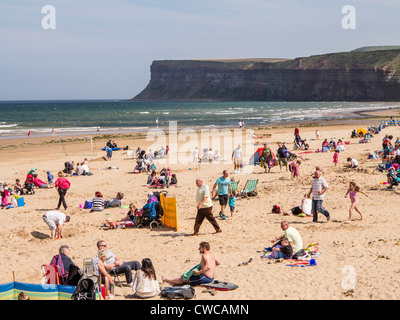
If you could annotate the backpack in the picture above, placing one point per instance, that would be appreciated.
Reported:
(85, 290)
(183, 292)
(276, 209)
(158, 193)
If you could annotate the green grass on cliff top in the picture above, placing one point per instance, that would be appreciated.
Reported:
(387, 60)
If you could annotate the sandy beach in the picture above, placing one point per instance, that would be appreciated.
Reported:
(362, 252)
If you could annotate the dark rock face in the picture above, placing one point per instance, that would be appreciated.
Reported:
(294, 80)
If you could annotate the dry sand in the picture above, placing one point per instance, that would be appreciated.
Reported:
(365, 252)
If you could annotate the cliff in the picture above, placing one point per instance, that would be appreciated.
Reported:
(346, 76)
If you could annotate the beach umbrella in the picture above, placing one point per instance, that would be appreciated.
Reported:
(361, 131)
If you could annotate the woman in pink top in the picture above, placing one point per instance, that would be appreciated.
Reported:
(62, 185)
(352, 193)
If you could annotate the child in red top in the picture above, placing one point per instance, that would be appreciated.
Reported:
(336, 157)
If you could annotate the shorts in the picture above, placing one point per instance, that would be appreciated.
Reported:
(50, 223)
(223, 199)
(200, 279)
(283, 162)
(236, 162)
(232, 208)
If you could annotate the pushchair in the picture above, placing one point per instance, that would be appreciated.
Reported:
(392, 178)
(29, 187)
(142, 219)
(68, 167)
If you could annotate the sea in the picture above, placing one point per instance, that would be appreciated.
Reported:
(72, 117)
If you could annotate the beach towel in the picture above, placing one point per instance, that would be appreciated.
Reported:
(187, 274)
(57, 261)
(310, 263)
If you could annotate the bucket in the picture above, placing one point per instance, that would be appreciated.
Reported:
(88, 204)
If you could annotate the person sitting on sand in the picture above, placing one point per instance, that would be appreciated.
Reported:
(98, 202)
(353, 163)
(205, 272)
(18, 187)
(325, 146)
(282, 251)
(152, 178)
(39, 183)
(145, 283)
(128, 220)
(78, 170)
(292, 235)
(116, 202)
(303, 208)
(174, 180)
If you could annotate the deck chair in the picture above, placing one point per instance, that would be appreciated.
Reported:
(116, 277)
(234, 185)
(51, 274)
(88, 270)
(129, 154)
(249, 188)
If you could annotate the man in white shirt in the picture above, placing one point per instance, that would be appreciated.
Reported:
(237, 158)
(318, 189)
(55, 220)
(204, 207)
(292, 235)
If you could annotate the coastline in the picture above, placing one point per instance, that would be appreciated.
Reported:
(358, 118)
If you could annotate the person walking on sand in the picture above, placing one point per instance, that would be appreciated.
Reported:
(224, 190)
(352, 193)
(318, 189)
(62, 185)
(204, 207)
(202, 273)
(267, 156)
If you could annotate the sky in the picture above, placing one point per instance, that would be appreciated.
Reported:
(100, 49)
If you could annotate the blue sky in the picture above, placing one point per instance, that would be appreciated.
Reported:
(103, 49)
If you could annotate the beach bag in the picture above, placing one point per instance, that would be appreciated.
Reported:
(158, 193)
(182, 292)
(299, 254)
(276, 209)
(85, 290)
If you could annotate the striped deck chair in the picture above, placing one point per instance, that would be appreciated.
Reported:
(250, 186)
(234, 185)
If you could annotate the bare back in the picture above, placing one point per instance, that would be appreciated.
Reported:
(208, 263)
